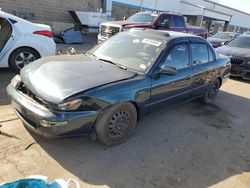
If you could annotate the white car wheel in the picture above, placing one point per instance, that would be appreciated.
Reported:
(21, 57)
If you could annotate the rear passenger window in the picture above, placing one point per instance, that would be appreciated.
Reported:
(5, 32)
(178, 21)
(199, 53)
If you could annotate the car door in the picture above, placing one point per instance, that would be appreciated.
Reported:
(168, 90)
(5, 32)
(178, 24)
(164, 22)
(203, 67)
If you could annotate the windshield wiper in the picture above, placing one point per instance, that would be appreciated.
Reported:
(107, 60)
(113, 63)
(91, 54)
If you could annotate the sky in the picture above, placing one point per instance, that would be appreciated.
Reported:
(243, 5)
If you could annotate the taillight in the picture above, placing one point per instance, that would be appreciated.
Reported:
(44, 33)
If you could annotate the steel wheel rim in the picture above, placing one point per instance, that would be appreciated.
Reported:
(24, 58)
(118, 125)
(213, 89)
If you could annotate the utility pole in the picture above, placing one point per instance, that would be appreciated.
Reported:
(141, 4)
(155, 4)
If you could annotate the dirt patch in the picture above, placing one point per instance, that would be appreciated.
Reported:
(213, 115)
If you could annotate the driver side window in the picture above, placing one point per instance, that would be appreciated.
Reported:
(178, 57)
(164, 20)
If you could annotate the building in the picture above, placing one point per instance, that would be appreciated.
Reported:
(206, 13)
(51, 12)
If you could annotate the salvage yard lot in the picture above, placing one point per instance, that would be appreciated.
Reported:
(191, 145)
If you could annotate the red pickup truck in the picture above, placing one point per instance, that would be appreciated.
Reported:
(160, 21)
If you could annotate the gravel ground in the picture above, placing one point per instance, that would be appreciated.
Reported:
(191, 145)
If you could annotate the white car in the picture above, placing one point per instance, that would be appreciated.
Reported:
(22, 42)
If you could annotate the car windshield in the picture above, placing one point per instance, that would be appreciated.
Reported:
(240, 42)
(130, 50)
(143, 18)
(228, 36)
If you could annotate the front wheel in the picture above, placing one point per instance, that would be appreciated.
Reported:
(211, 92)
(116, 123)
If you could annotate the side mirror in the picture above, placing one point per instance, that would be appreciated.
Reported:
(124, 18)
(71, 51)
(169, 70)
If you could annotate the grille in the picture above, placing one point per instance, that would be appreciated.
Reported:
(247, 75)
(236, 61)
(109, 31)
(25, 90)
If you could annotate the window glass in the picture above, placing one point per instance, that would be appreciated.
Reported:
(5, 32)
(178, 21)
(178, 57)
(164, 20)
(199, 53)
(240, 42)
(130, 50)
(143, 18)
(211, 57)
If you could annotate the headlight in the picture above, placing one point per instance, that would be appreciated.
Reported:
(16, 81)
(125, 29)
(46, 123)
(70, 105)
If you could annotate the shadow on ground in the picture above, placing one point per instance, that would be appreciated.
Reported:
(5, 77)
(192, 145)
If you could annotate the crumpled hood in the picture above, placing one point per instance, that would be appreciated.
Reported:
(234, 52)
(56, 78)
(126, 24)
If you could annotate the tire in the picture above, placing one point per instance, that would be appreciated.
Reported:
(211, 92)
(116, 123)
(21, 57)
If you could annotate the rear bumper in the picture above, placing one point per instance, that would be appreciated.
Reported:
(240, 71)
(58, 124)
(49, 49)
(225, 78)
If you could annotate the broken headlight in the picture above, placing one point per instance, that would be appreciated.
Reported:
(70, 105)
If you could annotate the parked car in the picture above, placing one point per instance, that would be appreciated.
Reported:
(239, 52)
(105, 91)
(246, 33)
(22, 42)
(221, 38)
(149, 20)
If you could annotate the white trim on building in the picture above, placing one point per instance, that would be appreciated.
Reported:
(199, 8)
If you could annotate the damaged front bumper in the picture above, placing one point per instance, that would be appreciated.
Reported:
(48, 123)
(241, 70)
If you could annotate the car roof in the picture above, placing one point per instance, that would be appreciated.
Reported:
(159, 13)
(228, 32)
(163, 35)
(246, 36)
(11, 16)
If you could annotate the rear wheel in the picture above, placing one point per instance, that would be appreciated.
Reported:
(21, 57)
(116, 123)
(211, 92)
